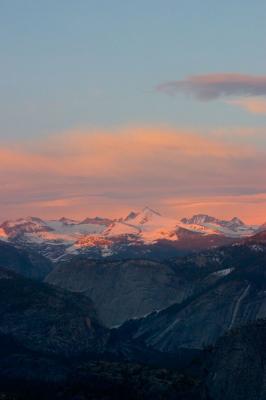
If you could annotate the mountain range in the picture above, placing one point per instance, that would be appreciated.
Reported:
(144, 233)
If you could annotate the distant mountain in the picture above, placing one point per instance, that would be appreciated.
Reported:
(232, 228)
(146, 233)
(51, 238)
(142, 217)
(29, 225)
(96, 221)
(202, 219)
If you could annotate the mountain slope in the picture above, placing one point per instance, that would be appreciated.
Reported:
(123, 289)
(52, 346)
(236, 370)
(132, 288)
(25, 262)
(238, 297)
(46, 319)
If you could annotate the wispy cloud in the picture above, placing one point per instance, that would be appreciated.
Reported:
(214, 86)
(82, 172)
(254, 105)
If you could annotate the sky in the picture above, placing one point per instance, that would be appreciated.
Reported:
(108, 106)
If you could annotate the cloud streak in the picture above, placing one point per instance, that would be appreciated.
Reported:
(88, 172)
(214, 86)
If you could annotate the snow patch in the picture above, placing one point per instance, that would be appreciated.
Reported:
(223, 272)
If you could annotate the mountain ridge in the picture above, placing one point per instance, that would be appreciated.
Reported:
(143, 231)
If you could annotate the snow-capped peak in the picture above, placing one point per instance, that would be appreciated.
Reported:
(97, 221)
(230, 228)
(238, 221)
(146, 226)
(149, 210)
(146, 215)
(202, 219)
(131, 215)
(23, 225)
(199, 219)
(68, 221)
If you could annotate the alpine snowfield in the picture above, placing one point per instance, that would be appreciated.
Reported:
(106, 237)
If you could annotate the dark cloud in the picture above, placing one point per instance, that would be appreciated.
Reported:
(213, 86)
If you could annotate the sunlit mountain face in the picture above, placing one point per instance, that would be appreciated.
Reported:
(146, 232)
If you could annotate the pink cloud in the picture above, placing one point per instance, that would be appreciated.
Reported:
(84, 172)
(253, 105)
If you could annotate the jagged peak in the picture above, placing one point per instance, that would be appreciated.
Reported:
(131, 215)
(97, 221)
(144, 213)
(150, 210)
(198, 219)
(237, 220)
(66, 220)
(24, 220)
(205, 218)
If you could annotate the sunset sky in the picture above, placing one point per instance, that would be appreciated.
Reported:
(108, 106)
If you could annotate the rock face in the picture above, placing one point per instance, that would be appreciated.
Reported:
(128, 289)
(125, 289)
(238, 297)
(46, 319)
(236, 370)
(24, 262)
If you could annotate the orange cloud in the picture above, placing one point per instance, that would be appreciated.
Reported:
(126, 153)
(81, 172)
(253, 105)
(250, 208)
